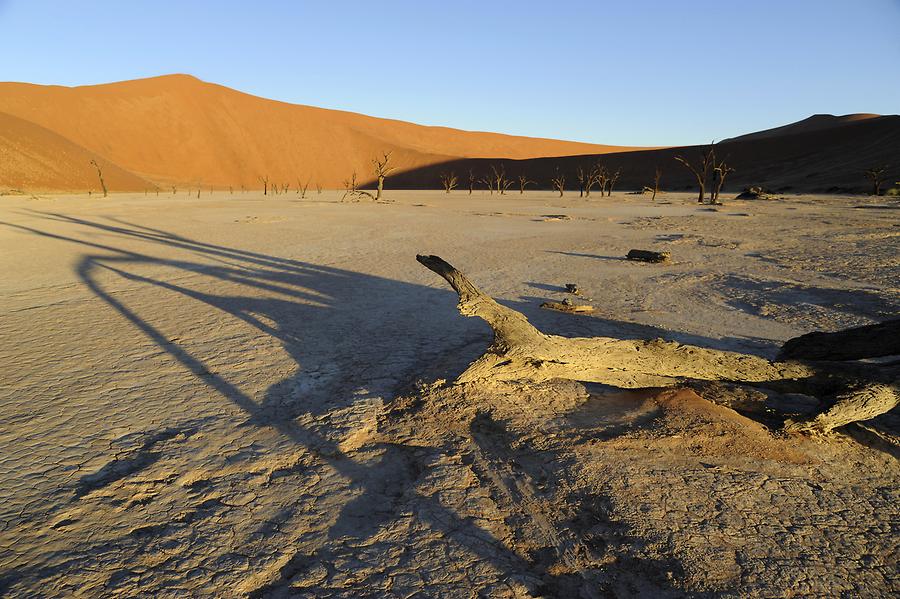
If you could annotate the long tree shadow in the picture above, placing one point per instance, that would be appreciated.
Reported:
(345, 330)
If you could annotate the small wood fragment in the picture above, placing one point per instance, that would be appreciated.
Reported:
(648, 256)
(568, 306)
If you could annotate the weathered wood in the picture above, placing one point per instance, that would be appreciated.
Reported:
(522, 353)
(855, 405)
(870, 341)
(567, 306)
(648, 256)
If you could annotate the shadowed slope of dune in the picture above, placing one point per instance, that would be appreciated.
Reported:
(178, 129)
(816, 122)
(831, 159)
(33, 158)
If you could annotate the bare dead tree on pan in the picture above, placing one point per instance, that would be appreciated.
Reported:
(100, 176)
(448, 181)
(656, 178)
(720, 172)
(876, 176)
(558, 182)
(382, 169)
(302, 187)
(582, 175)
(502, 182)
(701, 169)
(611, 181)
(524, 182)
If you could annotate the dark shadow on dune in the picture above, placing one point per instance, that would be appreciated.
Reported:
(829, 160)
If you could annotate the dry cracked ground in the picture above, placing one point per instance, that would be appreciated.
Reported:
(241, 396)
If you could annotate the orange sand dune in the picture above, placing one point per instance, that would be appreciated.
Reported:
(33, 158)
(179, 130)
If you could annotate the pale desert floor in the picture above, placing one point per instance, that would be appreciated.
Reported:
(229, 396)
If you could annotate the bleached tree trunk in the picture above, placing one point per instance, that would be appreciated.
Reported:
(520, 352)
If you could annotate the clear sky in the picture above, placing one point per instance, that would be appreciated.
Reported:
(631, 72)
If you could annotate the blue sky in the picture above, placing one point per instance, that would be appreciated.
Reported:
(636, 72)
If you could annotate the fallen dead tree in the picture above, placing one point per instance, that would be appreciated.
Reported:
(519, 352)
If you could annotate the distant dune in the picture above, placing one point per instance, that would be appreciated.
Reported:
(822, 154)
(816, 122)
(179, 130)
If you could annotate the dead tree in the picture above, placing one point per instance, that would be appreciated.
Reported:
(656, 179)
(100, 176)
(350, 187)
(352, 192)
(524, 182)
(583, 176)
(594, 177)
(720, 171)
(488, 182)
(601, 177)
(174, 190)
(558, 182)
(611, 182)
(301, 188)
(701, 170)
(382, 169)
(265, 182)
(521, 353)
(448, 181)
(500, 179)
(876, 176)
(472, 181)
